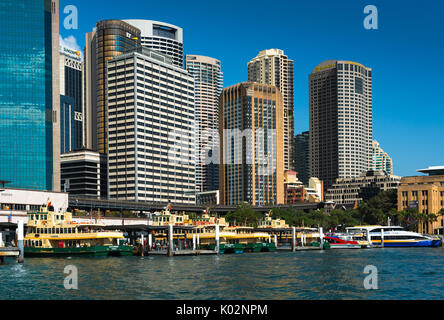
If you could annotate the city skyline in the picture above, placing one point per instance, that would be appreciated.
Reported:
(295, 32)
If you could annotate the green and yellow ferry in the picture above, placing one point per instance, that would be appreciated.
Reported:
(249, 239)
(207, 238)
(55, 234)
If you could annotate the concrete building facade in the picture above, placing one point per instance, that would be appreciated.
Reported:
(380, 159)
(361, 188)
(251, 145)
(151, 129)
(302, 156)
(340, 94)
(273, 67)
(110, 38)
(208, 80)
(161, 37)
(83, 173)
(425, 194)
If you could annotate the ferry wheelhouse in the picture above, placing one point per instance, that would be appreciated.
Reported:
(55, 234)
(395, 236)
(268, 222)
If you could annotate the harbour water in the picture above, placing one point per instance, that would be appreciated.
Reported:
(403, 273)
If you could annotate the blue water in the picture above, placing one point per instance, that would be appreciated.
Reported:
(403, 273)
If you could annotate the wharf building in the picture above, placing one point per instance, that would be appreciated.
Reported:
(71, 100)
(151, 129)
(340, 94)
(19, 201)
(251, 145)
(362, 188)
(426, 195)
(380, 159)
(83, 174)
(161, 37)
(208, 81)
(273, 67)
(30, 95)
(302, 156)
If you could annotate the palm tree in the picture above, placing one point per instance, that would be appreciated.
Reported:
(441, 213)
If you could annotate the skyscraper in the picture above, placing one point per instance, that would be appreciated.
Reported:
(340, 97)
(71, 100)
(90, 92)
(380, 159)
(208, 80)
(151, 129)
(273, 67)
(30, 97)
(302, 156)
(251, 145)
(162, 37)
(109, 39)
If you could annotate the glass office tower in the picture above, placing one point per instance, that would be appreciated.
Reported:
(26, 110)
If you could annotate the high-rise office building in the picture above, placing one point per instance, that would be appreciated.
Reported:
(90, 92)
(109, 39)
(251, 145)
(340, 97)
(208, 80)
(302, 156)
(83, 173)
(273, 67)
(30, 97)
(162, 37)
(380, 159)
(71, 100)
(151, 129)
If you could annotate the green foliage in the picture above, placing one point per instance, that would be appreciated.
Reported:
(244, 215)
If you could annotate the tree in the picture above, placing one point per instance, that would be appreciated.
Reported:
(244, 215)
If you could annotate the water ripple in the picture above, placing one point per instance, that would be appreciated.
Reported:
(407, 273)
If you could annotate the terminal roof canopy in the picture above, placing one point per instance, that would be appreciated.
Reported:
(433, 171)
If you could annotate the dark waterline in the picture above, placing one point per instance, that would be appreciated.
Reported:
(404, 273)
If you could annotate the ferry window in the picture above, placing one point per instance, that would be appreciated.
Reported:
(57, 230)
(53, 230)
(45, 217)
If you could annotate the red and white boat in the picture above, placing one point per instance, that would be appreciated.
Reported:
(342, 241)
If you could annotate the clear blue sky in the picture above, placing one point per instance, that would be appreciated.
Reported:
(405, 54)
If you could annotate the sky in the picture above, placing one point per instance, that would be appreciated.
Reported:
(405, 53)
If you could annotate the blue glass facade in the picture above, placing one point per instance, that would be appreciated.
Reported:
(26, 94)
(71, 116)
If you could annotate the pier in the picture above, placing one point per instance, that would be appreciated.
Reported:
(9, 252)
(167, 240)
(10, 234)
